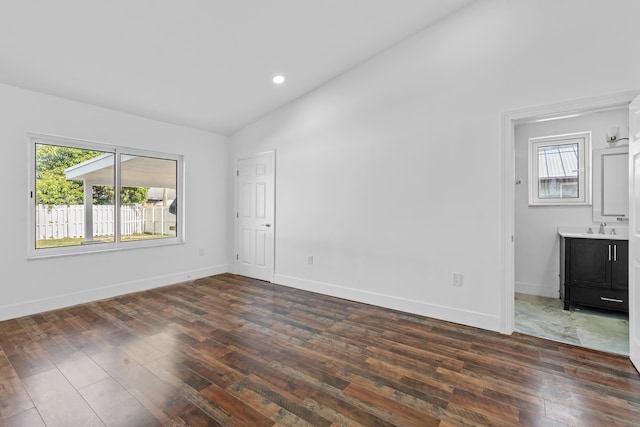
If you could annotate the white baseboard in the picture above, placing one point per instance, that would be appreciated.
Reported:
(26, 308)
(634, 352)
(446, 313)
(450, 314)
(232, 268)
(538, 289)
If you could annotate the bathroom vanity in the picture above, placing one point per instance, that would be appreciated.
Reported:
(594, 269)
(594, 261)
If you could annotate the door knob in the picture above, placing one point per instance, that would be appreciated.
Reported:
(266, 225)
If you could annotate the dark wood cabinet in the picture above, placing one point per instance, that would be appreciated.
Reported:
(620, 265)
(595, 273)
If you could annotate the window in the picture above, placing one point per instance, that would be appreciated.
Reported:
(559, 170)
(88, 197)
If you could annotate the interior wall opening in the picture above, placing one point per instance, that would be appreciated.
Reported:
(539, 308)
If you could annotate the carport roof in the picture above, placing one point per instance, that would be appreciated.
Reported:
(136, 171)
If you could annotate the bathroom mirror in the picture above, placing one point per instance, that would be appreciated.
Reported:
(611, 185)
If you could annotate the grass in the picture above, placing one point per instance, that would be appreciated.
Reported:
(56, 243)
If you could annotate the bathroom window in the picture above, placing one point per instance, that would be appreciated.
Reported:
(90, 197)
(559, 170)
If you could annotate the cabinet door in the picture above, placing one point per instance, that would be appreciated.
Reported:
(620, 265)
(588, 262)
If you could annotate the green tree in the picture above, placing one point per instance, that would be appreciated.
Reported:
(133, 195)
(53, 188)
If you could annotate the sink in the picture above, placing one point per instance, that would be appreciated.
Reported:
(622, 232)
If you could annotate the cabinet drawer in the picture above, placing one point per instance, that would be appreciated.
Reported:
(604, 298)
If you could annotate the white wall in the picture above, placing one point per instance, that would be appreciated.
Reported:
(390, 175)
(42, 284)
(537, 256)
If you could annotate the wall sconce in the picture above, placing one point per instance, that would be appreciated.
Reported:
(613, 135)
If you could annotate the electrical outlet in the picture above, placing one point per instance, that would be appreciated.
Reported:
(310, 259)
(457, 280)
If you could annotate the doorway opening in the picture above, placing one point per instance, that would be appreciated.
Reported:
(532, 301)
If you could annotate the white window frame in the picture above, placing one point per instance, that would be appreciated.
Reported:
(38, 138)
(583, 139)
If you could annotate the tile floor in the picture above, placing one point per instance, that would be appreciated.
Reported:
(596, 329)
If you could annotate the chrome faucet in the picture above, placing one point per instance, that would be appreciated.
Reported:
(602, 226)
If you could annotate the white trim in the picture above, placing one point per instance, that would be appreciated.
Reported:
(35, 138)
(441, 312)
(509, 119)
(234, 268)
(26, 308)
(538, 289)
(583, 140)
(598, 159)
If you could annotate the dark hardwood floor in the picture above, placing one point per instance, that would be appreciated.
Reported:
(232, 351)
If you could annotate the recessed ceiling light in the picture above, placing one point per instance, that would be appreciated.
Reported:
(279, 79)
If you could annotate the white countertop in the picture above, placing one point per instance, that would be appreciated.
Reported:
(622, 232)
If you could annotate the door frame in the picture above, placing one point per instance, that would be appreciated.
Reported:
(236, 234)
(509, 120)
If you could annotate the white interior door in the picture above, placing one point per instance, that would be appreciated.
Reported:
(254, 216)
(634, 232)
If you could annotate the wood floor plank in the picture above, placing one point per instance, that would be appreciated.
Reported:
(399, 413)
(401, 393)
(115, 406)
(58, 402)
(141, 352)
(485, 405)
(13, 397)
(236, 407)
(30, 359)
(158, 397)
(192, 397)
(291, 409)
(211, 368)
(30, 418)
(228, 350)
(81, 371)
(194, 417)
(351, 413)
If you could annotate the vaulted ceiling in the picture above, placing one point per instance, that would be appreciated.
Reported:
(206, 64)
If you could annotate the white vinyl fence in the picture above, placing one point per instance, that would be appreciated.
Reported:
(59, 222)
